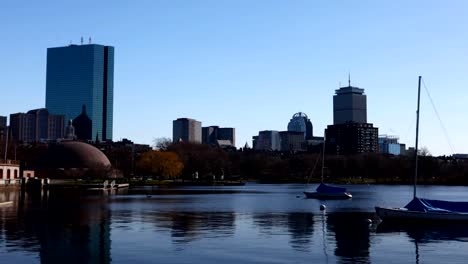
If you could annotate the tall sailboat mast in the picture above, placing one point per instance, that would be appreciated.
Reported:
(416, 144)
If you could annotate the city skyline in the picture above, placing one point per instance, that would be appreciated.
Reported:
(255, 63)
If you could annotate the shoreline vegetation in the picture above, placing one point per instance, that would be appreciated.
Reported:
(201, 163)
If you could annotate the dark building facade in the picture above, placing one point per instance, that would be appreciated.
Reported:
(266, 140)
(3, 127)
(80, 75)
(292, 141)
(351, 138)
(36, 125)
(211, 135)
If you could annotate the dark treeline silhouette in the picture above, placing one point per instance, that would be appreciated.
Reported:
(267, 166)
(270, 166)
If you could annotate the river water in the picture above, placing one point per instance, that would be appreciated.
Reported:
(243, 224)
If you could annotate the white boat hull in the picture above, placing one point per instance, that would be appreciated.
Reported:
(322, 195)
(398, 214)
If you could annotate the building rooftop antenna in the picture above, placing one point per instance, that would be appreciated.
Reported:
(89, 40)
(349, 79)
(81, 40)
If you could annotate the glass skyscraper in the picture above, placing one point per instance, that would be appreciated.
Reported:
(80, 78)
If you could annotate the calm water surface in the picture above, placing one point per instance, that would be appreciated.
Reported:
(245, 224)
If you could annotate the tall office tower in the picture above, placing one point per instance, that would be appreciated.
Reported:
(349, 105)
(78, 77)
(350, 133)
(301, 123)
(36, 125)
(187, 130)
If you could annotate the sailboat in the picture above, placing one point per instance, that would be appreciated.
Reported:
(420, 209)
(325, 191)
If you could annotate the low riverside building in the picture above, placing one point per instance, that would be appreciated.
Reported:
(9, 172)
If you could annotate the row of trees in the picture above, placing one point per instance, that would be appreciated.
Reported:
(182, 160)
(188, 158)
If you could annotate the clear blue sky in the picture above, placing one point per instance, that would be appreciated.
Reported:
(252, 64)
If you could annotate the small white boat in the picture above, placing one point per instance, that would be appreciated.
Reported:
(423, 210)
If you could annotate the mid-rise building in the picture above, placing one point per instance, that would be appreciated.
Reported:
(187, 130)
(211, 135)
(292, 141)
(267, 140)
(349, 105)
(301, 123)
(227, 133)
(351, 138)
(82, 76)
(389, 145)
(37, 125)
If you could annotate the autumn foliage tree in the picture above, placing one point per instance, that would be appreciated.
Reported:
(160, 163)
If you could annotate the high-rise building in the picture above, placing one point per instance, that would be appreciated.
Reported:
(349, 105)
(350, 133)
(301, 123)
(81, 76)
(186, 129)
(37, 125)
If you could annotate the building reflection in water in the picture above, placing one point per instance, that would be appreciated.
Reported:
(351, 235)
(189, 226)
(299, 225)
(63, 227)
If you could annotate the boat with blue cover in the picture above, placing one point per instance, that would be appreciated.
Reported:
(325, 191)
